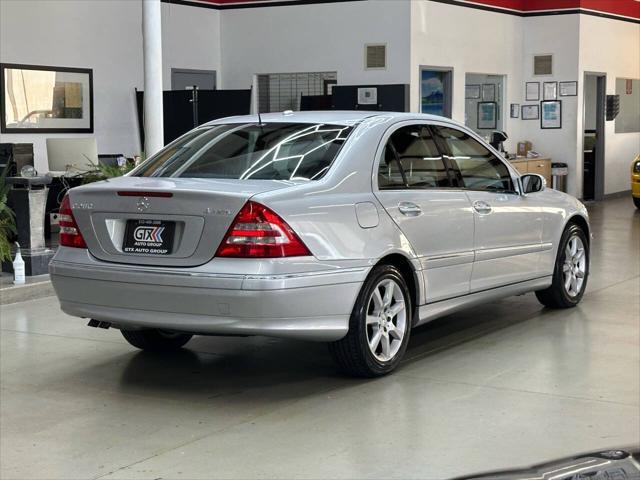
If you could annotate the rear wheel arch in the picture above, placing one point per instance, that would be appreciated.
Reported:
(410, 276)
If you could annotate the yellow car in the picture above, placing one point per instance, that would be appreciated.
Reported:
(635, 181)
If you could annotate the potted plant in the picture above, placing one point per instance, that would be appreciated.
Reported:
(104, 172)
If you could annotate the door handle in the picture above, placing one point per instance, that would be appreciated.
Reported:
(409, 209)
(482, 207)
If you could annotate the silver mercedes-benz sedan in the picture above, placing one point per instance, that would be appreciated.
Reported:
(344, 227)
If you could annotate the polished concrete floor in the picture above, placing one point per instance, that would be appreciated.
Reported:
(502, 385)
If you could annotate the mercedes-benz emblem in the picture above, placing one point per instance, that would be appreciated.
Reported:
(143, 204)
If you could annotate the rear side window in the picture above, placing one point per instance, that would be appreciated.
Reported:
(412, 151)
(479, 168)
(389, 174)
(273, 151)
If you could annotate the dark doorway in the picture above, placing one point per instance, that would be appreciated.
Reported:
(595, 88)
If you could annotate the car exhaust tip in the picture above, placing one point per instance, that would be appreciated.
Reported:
(98, 324)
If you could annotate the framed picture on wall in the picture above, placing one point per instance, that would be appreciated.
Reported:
(515, 110)
(487, 115)
(43, 99)
(551, 114)
(435, 91)
(488, 92)
(532, 91)
(472, 91)
(550, 91)
(530, 112)
(568, 89)
(367, 96)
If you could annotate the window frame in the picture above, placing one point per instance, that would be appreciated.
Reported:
(515, 181)
(387, 140)
(452, 171)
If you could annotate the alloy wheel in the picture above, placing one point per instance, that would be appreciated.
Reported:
(386, 320)
(574, 268)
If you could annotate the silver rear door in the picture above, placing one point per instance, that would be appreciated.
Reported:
(436, 219)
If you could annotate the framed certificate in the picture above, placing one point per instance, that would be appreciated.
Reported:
(550, 90)
(568, 89)
(488, 92)
(551, 114)
(487, 115)
(530, 112)
(472, 91)
(515, 110)
(367, 96)
(532, 91)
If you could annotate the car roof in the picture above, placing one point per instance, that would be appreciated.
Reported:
(336, 117)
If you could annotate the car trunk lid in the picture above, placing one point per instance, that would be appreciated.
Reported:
(161, 221)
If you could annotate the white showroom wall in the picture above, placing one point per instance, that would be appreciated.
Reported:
(556, 35)
(476, 42)
(190, 39)
(610, 47)
(315, 38)
(239, 43)
(105, 36)
(578, 43)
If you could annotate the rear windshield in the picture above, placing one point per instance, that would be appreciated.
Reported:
(270, 151)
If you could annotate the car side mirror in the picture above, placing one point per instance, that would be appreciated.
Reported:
(532, 182)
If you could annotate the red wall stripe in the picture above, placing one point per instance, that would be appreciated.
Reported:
(626, 8)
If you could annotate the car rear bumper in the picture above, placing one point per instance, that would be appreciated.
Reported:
(309, 305)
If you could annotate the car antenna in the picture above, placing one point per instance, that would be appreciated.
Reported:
(257, 108)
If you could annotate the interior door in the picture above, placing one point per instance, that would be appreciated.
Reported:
(508, 226)
(415, 187)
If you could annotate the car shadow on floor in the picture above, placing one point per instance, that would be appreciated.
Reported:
(275, 369)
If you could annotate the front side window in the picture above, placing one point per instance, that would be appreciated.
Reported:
(411, 156)
(269, 151)
(478, 167)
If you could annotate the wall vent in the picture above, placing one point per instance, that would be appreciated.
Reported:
(375, 56)
(543, 65)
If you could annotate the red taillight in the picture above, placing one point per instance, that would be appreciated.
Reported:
(70, 235)
(258, 232)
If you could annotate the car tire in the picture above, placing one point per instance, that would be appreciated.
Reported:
(636, 201)
(156, 340)
(571, 271)
(379, 326)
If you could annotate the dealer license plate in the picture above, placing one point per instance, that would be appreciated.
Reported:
(151, 237)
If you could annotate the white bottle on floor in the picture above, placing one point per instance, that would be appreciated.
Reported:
(18, 267)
